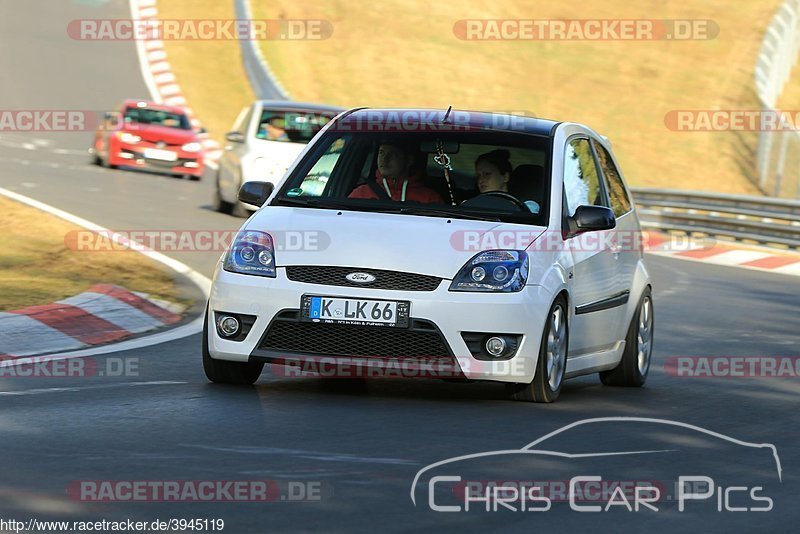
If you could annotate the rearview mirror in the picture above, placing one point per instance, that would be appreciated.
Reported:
(591, 219)
(255, 193)
(235, 137)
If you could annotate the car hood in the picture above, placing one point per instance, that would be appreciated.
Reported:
(409, 243)
(154, 133)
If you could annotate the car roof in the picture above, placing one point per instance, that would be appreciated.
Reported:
(413, 119)
(292, 105)
(153, 105)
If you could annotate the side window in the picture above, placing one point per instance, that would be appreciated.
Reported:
(620, 203)
(581, 181)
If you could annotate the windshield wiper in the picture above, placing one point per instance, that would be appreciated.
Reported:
(327, 203)
(445, 213)
(305, 202)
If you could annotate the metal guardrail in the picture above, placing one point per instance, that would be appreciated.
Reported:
(765, 221)
(264, 83)
(778, 153)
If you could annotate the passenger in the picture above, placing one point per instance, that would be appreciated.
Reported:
(274, 130)
(395, 178)
(493, 170)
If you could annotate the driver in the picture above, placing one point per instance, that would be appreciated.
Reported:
(395, 178)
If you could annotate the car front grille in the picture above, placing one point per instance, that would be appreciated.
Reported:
(336, 276)
(287, 334)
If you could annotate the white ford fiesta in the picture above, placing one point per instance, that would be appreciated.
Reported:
(448, 244)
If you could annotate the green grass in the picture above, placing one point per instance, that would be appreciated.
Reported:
(36, 266)
(210, 73)
(388, 53)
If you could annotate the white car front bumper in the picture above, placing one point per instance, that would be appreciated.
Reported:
(523, 313)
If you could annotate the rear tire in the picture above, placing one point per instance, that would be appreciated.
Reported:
(635, 363)
(552, 363)
(225, 372)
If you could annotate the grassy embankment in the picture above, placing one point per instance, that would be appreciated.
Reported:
(37, 267)
(385, 54)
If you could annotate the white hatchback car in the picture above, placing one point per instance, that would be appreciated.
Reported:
(490, 246)
(266, 138)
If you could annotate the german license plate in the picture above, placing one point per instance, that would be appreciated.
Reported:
(163, 155)
(355, 311)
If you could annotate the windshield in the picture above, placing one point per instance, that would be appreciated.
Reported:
(291, 126)
(493, 175)
(157, 117)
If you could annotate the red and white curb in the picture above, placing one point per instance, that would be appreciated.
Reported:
(103, 314)
(159, 76)
(194, 327)
(725, 253)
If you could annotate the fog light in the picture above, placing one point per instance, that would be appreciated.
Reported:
(191, 164)
(496, 346)
(228, 325)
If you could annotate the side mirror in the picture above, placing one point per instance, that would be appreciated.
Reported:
(591, 219)
(112, 119)
(255, 193)
(235, 137)
(202, 130)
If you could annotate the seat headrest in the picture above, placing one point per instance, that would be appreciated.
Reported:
(527, 182)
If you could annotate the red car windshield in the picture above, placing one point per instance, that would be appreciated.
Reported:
(157, 117)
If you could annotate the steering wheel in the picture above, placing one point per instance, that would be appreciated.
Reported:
(480, 200)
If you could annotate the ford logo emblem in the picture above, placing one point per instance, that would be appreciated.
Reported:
(360, 278)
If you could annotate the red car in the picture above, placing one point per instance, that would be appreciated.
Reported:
(151, 136)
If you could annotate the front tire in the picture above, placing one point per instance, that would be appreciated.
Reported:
(225, 372)
(219, 204)
(552, 363)
(635, 363)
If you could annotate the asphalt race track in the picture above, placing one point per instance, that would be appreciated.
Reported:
(363, 444)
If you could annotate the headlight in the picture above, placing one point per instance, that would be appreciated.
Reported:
(192, 147)
(253, 253)
(129, 138)
(494, 270)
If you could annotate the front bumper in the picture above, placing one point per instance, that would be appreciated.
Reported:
(191, 163)
(451, 313)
